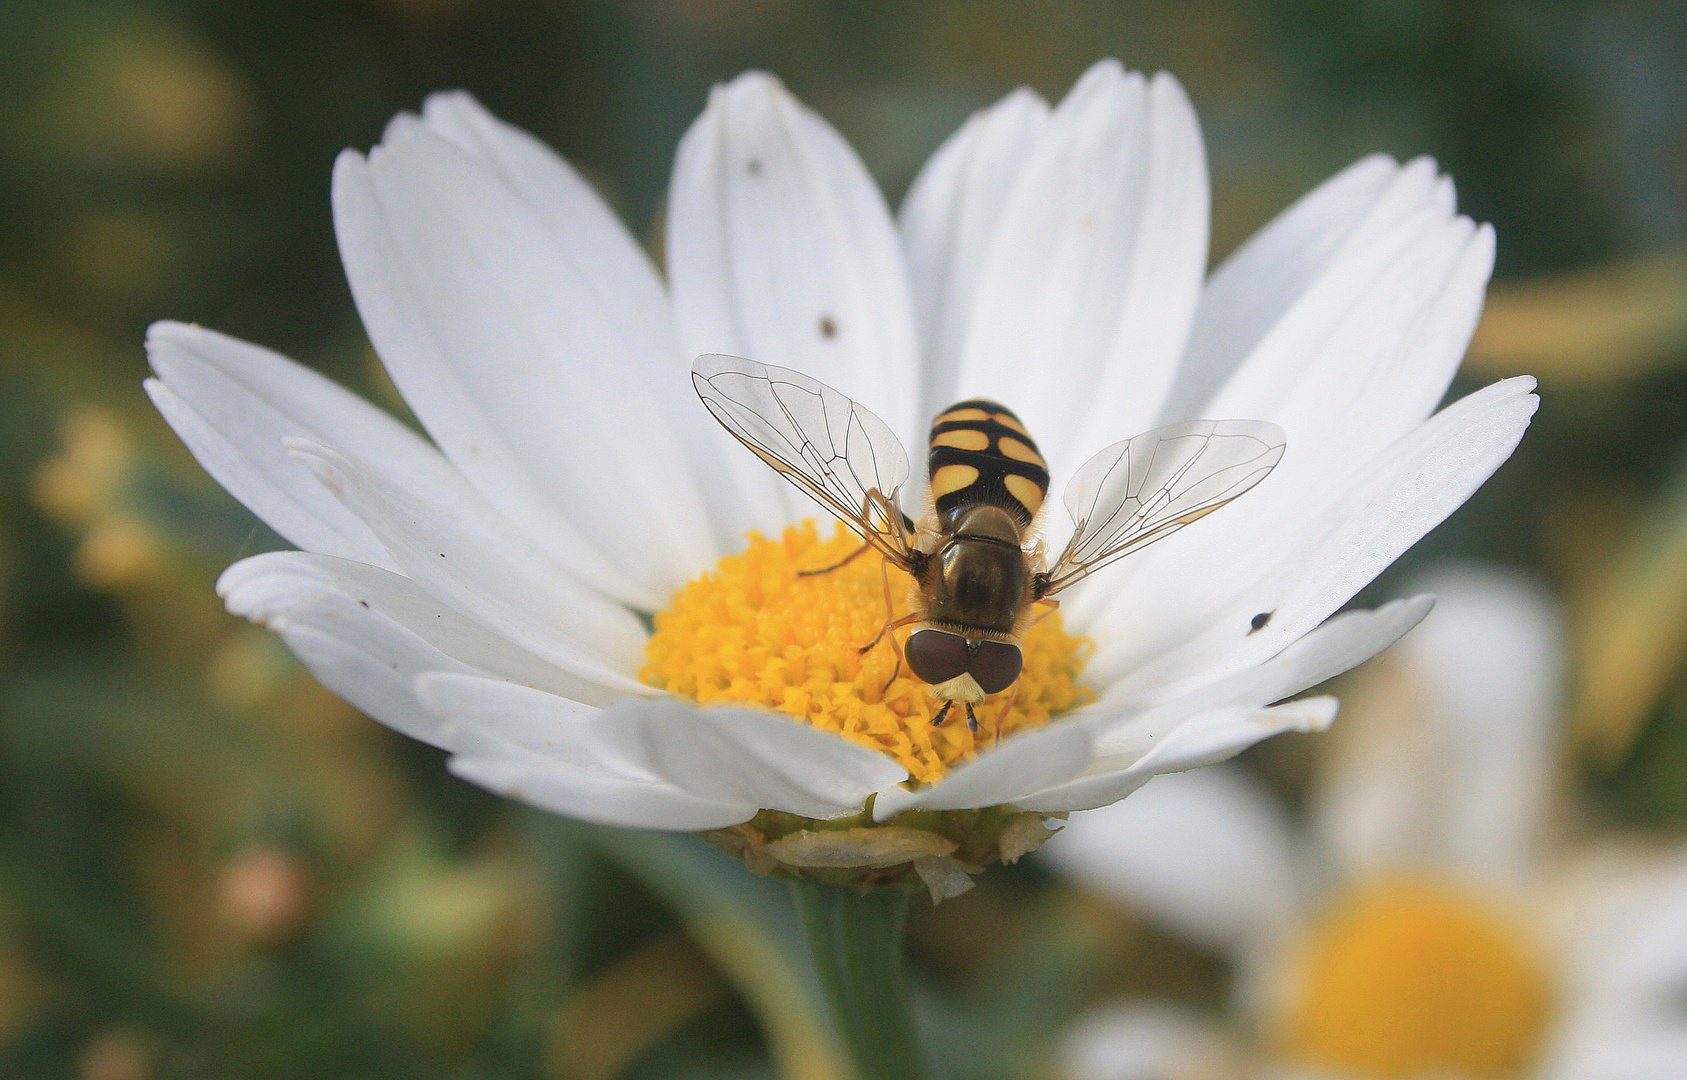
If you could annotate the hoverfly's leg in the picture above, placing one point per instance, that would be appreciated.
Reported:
(896, 646)
(1001, 717)
(891, 622)
(894, 672)
(937, 721)
(839, 565)
(890, 614)
(890, 625)
(972, 719)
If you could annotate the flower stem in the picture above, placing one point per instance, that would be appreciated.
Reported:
(856, 939)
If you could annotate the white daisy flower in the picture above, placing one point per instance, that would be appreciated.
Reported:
(492, 592)
(1428, 919)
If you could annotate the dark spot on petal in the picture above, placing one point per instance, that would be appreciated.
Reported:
(1257, 623)
(753, 167)
(365, 603)
(828, 327)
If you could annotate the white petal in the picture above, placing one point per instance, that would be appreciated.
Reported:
(463, 553)
(637, 311)
(551, 752)
(1095, 268)
(780, 249)
(388, 617)
(233, 403)
(1298, 580)
(728, 757)
(591, 794)
(1221, 718)
(763, 758)
(1206, 739)
(527, 357)
(1344, 642)
(356, 628)
(1358, 361)
(1491, 658)
(1622, 1055)
(948, 220)
(1445, 754)
(1265, 277)
(1620, 1015)
(1208, 853)
(1024, 763)
(373, 669)
(1361, 362)
(1627, 961)
(1142, 1041)
(1223, 733)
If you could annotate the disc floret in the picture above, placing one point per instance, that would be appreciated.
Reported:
(758, 630)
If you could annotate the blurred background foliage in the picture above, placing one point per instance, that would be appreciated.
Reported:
(209, 867)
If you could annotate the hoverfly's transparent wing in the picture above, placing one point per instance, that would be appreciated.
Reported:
(1138, 491)
(840, 454)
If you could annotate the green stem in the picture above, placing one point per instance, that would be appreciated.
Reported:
(856, 939)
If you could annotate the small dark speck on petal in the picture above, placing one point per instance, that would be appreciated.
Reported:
(365, 603)
(753, 167)
(1258, 622)
(828, 327)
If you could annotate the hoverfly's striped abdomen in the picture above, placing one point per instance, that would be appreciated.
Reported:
(982, 455)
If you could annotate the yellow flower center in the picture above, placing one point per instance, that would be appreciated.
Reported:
(757, 630)
(1413, 979)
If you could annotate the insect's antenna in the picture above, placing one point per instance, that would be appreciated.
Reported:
(972, 719)
(941, 713)
(1001, 717)
(894, 672)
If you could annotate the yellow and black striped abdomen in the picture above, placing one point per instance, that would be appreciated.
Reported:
(981, 454)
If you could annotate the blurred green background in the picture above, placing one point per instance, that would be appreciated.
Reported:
(211, 868)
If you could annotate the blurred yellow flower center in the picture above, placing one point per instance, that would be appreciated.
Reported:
(757, 630)
(1411, 979)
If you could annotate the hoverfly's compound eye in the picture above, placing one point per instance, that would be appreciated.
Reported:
(995, 664)
(937, 656)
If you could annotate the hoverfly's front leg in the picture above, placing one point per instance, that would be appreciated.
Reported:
(972, 717)
(1001, 717)
(891, 623)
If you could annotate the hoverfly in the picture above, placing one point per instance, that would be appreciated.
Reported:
(977, 567)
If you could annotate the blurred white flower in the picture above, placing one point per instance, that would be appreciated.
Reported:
(488, 592)
(1433, 917)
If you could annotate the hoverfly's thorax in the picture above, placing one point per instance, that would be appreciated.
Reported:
(977, 584)
(981, 455)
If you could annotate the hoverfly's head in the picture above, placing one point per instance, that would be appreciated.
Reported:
(962, 669)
